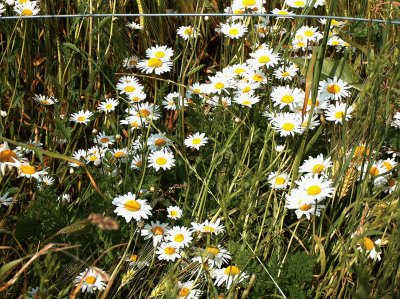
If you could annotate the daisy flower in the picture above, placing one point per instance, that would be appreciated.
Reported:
(137, 162)
(28, 8)
(233, 30)
(128, 206)
(120, 154)
(156, 142)
(317, 187)
(216, 256)
(246, 87)
(5, 200)
(209, 227)
(296, 3)
(306, 33)
(263, 58)
(283, 12)
(136, 96)
(174, 212)
(285, 96)
(130, 62)
(333, 89)
(375, 171)
(219, 84)
(134, 261)
(108, 105)
(145, 111)
(300, 201)
(173, 101)
(155, 230)
(179, 236)
(90, 280)
(135, 122)
(228, 275)
(310, 123)
(319, 105)
(187, 290)
(82, 117)
(239, 69)
(134, 25)
(278, 180)
(47, 180)
(316, 165)
(334, 23)
(246, 100)
(160, 52)
(389, 163)
(167, 252)
(196, 140)
(338, 112)
(287, 123)
(254, 75)
(370, 248)
(2, 9)
(27, 170)
(187, 32)
(45, 100)
(161, 159)
(6, 155)
(156, 65)
(128, 85)
(396, 120)
(104, 140)
(286, 73)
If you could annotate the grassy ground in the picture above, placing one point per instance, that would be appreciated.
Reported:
(47, 242)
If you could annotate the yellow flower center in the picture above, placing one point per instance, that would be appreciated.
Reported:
(246, 103)
(387, 165)
(374, 171)
(318, 168)
(288, 127)
(264, 59)
(81, 118)
(135, 124)
(129, 88)
(257, 78)
(134, 257)
(231, 271)
(45, 102)
(104, 140)
(246, 89)
(136, 99)
(7, 155)
(285, 74)
(305, 207)
(27, 12)
(196, 90)
(154, 62)
(109, 106)
(287, 99)
(208, 229)
(184, 292)
(188, 31)
(196, 141)
(174, 214)
(238, 71)
(280, 181)
(179, 238)
(233, 31)
(93, 158)
(157, 230)
(246, 3)
(309, 33)
(138, 163)
(283, 12)
(219, 85)
(161, 161)
(299, 3)
(169, 250)
(119, 155)
(159, 54)
(339, 114)
(313, 190)
(160, 142)
(132, 205)
(301, 44)
(22, 1)
(90, 279)
(212, 250)
(27, 169)
(368, 244)
(309, 102)
(333, 88)
(143, 113)
(335, 43)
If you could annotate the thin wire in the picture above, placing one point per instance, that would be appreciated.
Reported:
(396, 22)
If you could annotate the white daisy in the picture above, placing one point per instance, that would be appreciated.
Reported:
(317, 188)
(137, 162)
(316, 165)
(26, 170)
(128, 206)
(146, 111)
(155, 65)
(228, 275)
(285, 96)
(371, 248)
(136, 96)
(129, 85)
(209, 227)
(157, 142)
(162, 159)
(278, 180)
(219, 84)
(188, 290)
(310, 123)
(28, 8)
(5, 200)
(196, 140)
(287, 123)
(120, 154)
(306, 33)
(45, 100)
(283, 12)
(286, 73)
(167, 252)
(90, 280)
(108, 105)
(82, 117)
(174, 212)
(187, 32)
(160, 52)
(135, 122)
(215, 256)
(134, 25)
(104, 140)
(233, 30)
(155, 230)
(130, 62)
(299, 200)
(179, 236)
(334, 89)
(263, 58)
(338, 112)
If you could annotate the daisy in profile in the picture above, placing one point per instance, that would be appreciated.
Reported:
(283, 12)
(90, 280)
(136, 97)
(82, 117)
(317, 187)
(188, 290)
(263, 58)
(155, 230)
(253, 5)
(286, 73)
(130, 207)
(134, 25)
(216, 256)
(173, 101)
(285, 96)
(161, 52)
(137, 162)
(389, 163)
(187, 32)
(167, 252)
(45, 100)
(156, 65)
(135, 122)
(338, 112)
(296, 3)
(233, 30)
(333, 89)
(162, 159)
(130, 62)
(278, 180)
(104, 140)
(299, 201)
(287, 124)
(135, 261)
(316, 165)
(108, 105)
(156, 142)
(179, 236)
(310, 123)
(319, 105)
(209, 227)
(239, 69)
(174, 212)
(196, 140)
(371, 248)
(228, 275)
(26, 170)
(246, 100)
(27, 8)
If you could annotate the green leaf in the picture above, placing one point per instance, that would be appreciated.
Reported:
(9, 266)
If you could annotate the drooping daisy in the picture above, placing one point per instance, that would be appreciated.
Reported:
(375, 171)
(90, 280)
(233, 30)
(196, 140)
(370, 248)
(299, 200)
(286, 73)
(157, 142)
(278, 180)
(155, 230)
(108, 105)
(209, 227)
(287, 123)
(228, 275)
(389, 163)
(104, 140)
(263, 58)
(310, 123)
(135, 261)
(137, 162)
(45, 100)
(155, 65)
(130, 207)
(285, 96)
(167, 252)
(162, 159)
(130, 62)
(82, 117)
(174, 101)
(28, 8)
(179, 236)
(316, 165)
(188, 290)
(334, 89)
(94, 155)
(174, 212)
(317, 187)
(187, 32)
(338, 112)
(160, 52)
